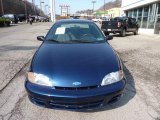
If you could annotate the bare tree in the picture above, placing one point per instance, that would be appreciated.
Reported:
(112, 4)
(17, 7)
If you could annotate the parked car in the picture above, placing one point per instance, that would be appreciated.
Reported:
(46, 19)
(4, 22)
(120, 25)
(75, 68)
(12, 17)
(35, 18)
(43, 19)
(106, 18)
(99, 19)
(21, 17)
(89, 18)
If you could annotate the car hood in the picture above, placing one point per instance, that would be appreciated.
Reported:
(75, 65)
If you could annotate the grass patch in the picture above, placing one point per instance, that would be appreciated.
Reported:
(4, 22)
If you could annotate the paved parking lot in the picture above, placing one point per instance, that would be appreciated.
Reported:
(140, 54)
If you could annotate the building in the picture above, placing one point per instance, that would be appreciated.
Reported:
(85, 13)
(101, 13)
(146, 12)
(113, 12)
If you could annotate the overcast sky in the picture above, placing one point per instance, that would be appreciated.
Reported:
(75, 5)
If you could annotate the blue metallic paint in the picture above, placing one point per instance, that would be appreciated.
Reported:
(74, 100)
(68, 63)
(64, 64)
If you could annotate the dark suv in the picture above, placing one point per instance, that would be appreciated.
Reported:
(120, 25)
(12, 17)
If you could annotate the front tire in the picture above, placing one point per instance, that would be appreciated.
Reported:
(123, 33)
(136, 32)
(106, 33)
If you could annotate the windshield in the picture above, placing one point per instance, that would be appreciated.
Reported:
(120, 19)
(75, 32)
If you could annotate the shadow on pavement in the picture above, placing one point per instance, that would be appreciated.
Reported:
(14, 25)
(128, 94)
(127, 34)
(6, 48)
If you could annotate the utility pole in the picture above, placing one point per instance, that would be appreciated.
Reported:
(33, 6)
(25, 8)
(2, 7)
(49, 11)
(104, 7)
(36, 10)
(61, 6)
(46, 12)
(68, 10)
(41, 8)
(53, 11)
(93, 4)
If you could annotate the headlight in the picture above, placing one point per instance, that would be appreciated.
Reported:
(39, 79)
(112, 78)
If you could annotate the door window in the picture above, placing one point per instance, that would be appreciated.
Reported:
(159, 8)
(129, 13)
(139, 16)
(145, 17)
(151, 19)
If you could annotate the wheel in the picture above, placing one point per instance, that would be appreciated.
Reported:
(106, 33)
(123, 33)
(136, 32)
(16, 21)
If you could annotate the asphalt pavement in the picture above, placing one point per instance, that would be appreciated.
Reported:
(140, 55)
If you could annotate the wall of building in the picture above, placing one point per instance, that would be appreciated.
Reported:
(146, 12)
(130, 4)
(113, 12)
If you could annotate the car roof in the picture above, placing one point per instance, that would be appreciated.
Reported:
(74, 21)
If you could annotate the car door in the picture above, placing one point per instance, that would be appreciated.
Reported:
(134, 24)
(130, 25)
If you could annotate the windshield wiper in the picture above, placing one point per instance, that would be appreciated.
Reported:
(75, 41)
(82, 41)
(52, 40)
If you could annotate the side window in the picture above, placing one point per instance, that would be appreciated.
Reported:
(133, 20)
(129, 20)
(125, 20)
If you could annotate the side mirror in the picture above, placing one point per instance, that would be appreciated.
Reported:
(40, 38)
(109, 37)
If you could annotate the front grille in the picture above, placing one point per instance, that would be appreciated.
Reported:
(76, 88)
(72, 105)
(67, 104)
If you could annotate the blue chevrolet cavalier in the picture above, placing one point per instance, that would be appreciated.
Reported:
(75, 68)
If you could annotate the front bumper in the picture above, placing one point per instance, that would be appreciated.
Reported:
(74, 99)
(112, 30)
